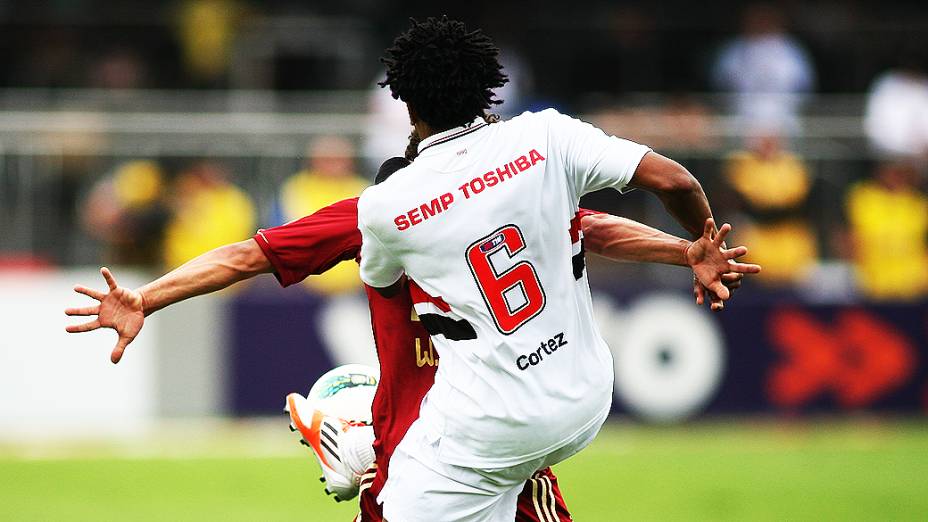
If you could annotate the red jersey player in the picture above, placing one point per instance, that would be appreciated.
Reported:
(314, 244)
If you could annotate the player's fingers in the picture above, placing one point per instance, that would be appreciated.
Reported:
(121, 345)
(720, 237)
(732, 280)
(89, 292)
(110, 280)
(709, 229)
(720, 290)
(86, 327)
(744, 268)
(699, 292)
(86, 310)
(715, 303)
(733, 253)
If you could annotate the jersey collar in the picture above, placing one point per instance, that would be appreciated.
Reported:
(451, 134)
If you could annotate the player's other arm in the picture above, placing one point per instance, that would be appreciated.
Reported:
(684, 198)
(623, 239)
(124, 310)
(678, 190)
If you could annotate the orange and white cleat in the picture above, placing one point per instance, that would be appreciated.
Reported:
(344, 450)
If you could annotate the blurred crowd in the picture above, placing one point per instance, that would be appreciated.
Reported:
(765, 63)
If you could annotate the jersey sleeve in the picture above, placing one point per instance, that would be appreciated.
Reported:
(584, 212)
(313, 244)
(379, 267)
(592, 159)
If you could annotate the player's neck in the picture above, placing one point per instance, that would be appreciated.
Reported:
(424, 130)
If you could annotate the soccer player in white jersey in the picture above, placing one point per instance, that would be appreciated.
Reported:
(484, 224)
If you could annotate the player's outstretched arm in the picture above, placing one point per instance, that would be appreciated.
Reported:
(124, 310)
(712, 263)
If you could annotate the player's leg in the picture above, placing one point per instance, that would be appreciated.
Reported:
(420, 487)
(541, 500)
(370, 510)
(343, 450)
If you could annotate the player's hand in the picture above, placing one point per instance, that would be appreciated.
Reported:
(120, 308)
(715, 272)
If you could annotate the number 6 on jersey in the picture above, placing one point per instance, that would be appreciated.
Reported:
(513, 296)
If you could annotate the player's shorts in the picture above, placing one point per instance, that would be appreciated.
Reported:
(421, 488)
(540, 501)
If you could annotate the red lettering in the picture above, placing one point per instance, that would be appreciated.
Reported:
(446, 200)
(522, 163)
(535, 157)
(414, 216)
(477, 188)
(514, 169)
(506, 173)
(463, 188)
(401, 222)
(490, 178)
(430, 209)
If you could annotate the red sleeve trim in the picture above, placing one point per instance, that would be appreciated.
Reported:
(272, 257)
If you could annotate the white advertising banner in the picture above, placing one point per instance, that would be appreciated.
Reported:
(54, 384)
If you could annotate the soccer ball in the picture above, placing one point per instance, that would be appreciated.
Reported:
(346, 392)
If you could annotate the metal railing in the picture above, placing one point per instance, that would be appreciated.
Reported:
(262, 137)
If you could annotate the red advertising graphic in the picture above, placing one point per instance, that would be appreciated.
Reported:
(858, 358)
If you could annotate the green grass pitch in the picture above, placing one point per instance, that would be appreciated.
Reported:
(863, 470)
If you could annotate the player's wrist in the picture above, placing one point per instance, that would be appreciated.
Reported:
(143, 299)
(685, 253)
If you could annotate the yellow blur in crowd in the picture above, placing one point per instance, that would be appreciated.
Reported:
(125, 212)
(888, 218)
(328, 177)
(206, 30)
(209, 212)
(773, 185)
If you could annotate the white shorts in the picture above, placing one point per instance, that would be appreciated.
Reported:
(420, 488)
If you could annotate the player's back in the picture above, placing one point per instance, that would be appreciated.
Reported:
(484, 222)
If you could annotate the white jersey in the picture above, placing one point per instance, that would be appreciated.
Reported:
(485, 221)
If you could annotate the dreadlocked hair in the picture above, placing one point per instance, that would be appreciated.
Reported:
(412, 148)
(444, 72)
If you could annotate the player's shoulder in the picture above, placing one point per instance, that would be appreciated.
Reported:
(534, 117)
(385, 192)
(550, 120)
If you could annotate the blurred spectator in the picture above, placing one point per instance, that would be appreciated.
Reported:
(209, 211)
(682, 123)
(329, 176)
(896, 117)
(119, 69)
(888, 219)
(127, 212)
(766, 70)
(206, 30)
(772, 186)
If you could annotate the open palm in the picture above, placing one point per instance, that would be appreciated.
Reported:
(120, 309)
